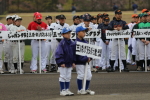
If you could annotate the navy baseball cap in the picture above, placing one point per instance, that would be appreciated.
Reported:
(74, 17)
(118, 12)
(81, 28)
(65, 30)
(62, 16)
(87, 17)
(81, 16)
(48, 17)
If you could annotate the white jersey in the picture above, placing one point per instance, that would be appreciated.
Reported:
(9, 26)
(53, 25)
(60, 27)
(17, 28)
(73, 27)
(81, 24)
(131, 25)
(95, 25)
(90, 26)
(49, 26)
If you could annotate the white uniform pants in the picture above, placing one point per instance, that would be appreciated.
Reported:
(142, 51)
(65, 74)
(8, 54)
(54, 45)
(1, 53)
(105, 55)
(131, 41)
(35, 53)
(48, 48)
(81, 70)
(115, 49)
(15, 48)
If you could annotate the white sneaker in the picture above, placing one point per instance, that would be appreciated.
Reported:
(12, 71)
(58, 70)
(9, 71)
(16, 71)
(22, 71)
(64, 93)
(69, 92)
(90, 92)
(81, 92)
(1, 72)
(33, 71)
(44, 71)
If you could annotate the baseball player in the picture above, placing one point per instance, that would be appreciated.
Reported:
(48, 42)
(2, 28)
(105, 44)
(7, 46)
(65, 58)
(118, 24)
(132, 41)
(94, 21)
(76, 23)
(39, 26)
(15, 48)
(142, 42)
(55, 42)
(81, 64)
(99, 19)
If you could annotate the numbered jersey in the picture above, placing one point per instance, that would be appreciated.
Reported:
(60, 27)
(8, 26)
(53, 25)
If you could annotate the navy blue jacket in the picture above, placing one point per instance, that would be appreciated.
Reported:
(81, 60)
(134, 6)
(103, 28)
(117, 23)
(65, 53)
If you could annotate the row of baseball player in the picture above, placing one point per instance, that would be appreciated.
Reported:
(109, 59)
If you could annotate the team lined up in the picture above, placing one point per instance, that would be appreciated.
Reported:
(109, 59)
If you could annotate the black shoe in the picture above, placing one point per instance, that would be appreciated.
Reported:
(116, 68)
(52, 69)
(110, 70)
(126, 70)
(47, 68)
(100, 68)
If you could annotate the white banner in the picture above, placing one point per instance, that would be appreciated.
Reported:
(88, 50)
(23, 35)
(118, 34)
(141, 33)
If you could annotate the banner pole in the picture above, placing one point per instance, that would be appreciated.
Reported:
(19, 56)
(85, 75)
(119, 56)
(145, 58)
(40, 56)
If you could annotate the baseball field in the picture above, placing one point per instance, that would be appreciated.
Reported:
(28, 17)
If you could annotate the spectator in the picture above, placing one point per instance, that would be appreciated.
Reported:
(115, 7)
(73, 9)
(134, 7)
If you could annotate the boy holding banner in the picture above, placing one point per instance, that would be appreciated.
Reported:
(65, 59)
(81, 64)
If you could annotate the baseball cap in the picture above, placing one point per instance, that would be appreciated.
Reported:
(62, 16)
(81, 16)
(106, 19)
(87, 17)
(118, 12)
(38, 16)
(74, 17)
(134, 16)
(81, 28)
(35, 13)
(93, 18)
(48, 17)
(57, 17)
(144, 14)
(105, 15)
(8, 17)
(18, 18)
(99, 15)
(14, 16)
(144, 10)
(65, 30)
